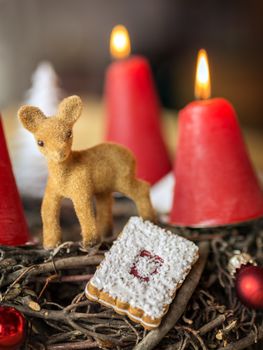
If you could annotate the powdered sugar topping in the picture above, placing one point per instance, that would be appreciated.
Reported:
(145, 266)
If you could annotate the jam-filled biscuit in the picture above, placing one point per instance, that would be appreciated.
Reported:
(142, 271)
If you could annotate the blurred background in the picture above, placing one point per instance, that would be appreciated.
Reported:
(74, 37)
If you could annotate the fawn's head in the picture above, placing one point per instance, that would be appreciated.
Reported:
(53, 134)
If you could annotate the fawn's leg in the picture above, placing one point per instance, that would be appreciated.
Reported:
(104, 214)
(85, 213)
(139, 192)
(50, 211)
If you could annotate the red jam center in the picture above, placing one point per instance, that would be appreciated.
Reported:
(145, 265)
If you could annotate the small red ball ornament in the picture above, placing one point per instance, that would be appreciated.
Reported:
(248, 280)
(12, 328)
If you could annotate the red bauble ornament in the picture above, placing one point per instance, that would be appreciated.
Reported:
(249, 286)
(12, 328)
(248, 280)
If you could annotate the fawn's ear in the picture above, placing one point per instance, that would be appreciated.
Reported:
(70, 109)
(31, 117)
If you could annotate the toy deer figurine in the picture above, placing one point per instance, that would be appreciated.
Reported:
(81, 175)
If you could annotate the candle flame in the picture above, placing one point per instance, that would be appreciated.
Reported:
(120, 46)
(202, 78)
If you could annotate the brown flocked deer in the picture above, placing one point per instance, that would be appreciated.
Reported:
(81, 175)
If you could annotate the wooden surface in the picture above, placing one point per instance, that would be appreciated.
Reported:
(30, 166)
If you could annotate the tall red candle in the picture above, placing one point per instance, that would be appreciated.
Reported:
(133, 115)
(215, 181)
(13, 228)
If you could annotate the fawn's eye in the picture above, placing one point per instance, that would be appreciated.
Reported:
(40, 143)
(69, 134)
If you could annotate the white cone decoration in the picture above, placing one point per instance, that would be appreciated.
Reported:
(45, 92)
(162, 194)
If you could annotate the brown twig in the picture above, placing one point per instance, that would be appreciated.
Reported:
(61, 337)
(70, 319)
(212, 324)
(194, 334)
(47, 281)
(65, 279)
(61, 314)
(16, 280)
(196, 235)
(245, 342)
(85, 344)
(74, 262)
(179, 304)
(93, 334)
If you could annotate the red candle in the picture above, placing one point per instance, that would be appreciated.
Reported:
(215, 181)
(13, 228)
(133, 110)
